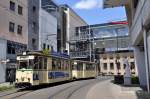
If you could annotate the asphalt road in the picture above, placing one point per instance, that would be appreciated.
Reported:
(72, 90)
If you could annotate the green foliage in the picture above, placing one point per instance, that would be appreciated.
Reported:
(4, 88)
(135, 80)
(118, 79)
(46, 51)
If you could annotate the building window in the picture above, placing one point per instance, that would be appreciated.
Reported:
(48, 47)
(34, 26)
(52, 48)
(77, 31)
(117, 57)
(19, 30)
(111, 66)
(132, 65)
(104, 58)
(33, 41)
(136, 3)
(11, 48)
(12, 6)
(20, 10)
(118, 65)
(34, 8)
(111, 57)
(132, 56)
(105, 66)
(11, 27)
(124, 66)
(44, 46)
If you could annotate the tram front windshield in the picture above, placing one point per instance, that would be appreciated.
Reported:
(25, 64)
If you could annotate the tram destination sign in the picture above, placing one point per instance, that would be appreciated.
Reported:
(25, 57)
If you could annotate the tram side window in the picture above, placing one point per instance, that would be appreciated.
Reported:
(80, 66)
(36, 63)
(63, 65)
(31, 63)
(54, 63)
(40, 62)
(87, 67)
(90, 67)
(67, 65)
(45, 63)
(59, 65)
(74, 67)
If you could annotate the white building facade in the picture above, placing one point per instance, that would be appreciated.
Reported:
(47, 31)
(109, 67)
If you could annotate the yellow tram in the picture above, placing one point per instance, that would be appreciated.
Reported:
(83, 69)
(36, 68)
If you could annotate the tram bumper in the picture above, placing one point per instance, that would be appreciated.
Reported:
(22, 85)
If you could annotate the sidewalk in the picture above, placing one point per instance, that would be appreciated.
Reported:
(108, 90)
(6, 84)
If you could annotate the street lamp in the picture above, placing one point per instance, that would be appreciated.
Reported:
(90, 42)
(117, 61)
(94, 50)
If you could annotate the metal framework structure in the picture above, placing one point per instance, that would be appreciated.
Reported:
(109, 37)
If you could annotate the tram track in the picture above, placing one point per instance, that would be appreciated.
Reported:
(15, 95)
(67, 92)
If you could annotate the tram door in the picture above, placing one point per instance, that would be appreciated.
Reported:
(84, 70)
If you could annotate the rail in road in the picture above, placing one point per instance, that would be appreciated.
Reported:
(65, 91)
(72, 91)
(15, 95)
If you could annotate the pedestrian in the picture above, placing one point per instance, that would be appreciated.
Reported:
(11, 77)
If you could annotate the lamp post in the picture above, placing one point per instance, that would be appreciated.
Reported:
(117, 61)
(90, 42)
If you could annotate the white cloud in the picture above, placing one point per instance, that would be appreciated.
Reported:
(88, 4)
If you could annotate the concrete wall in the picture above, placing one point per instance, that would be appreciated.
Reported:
(33, 31)
(147, 56)
(7, 15)
(140, 63)
(3, 50)
(73, 20)
(48, 30)
(139, 27)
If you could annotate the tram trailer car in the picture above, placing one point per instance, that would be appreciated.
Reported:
(36, 68)
(84, 69)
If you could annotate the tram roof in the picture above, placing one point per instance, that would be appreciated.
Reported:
(84, 61)
(53, 54)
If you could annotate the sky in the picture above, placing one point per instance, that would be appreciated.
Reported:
(92, 11)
